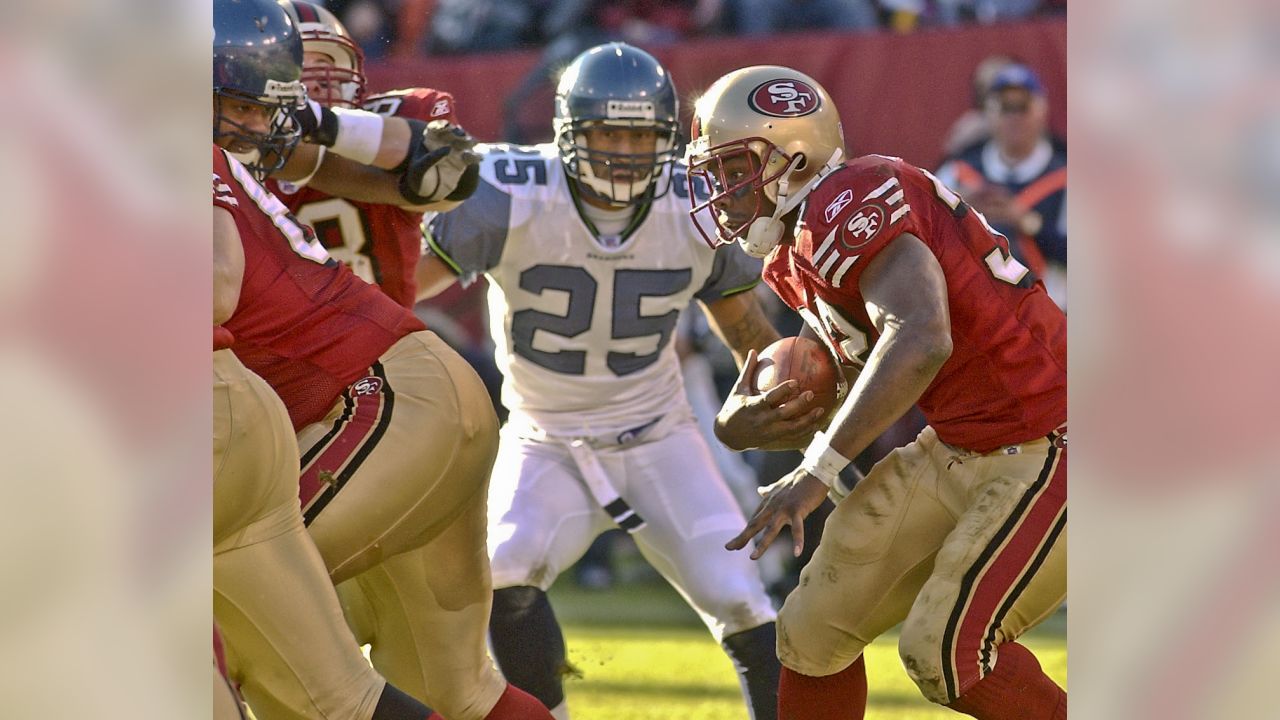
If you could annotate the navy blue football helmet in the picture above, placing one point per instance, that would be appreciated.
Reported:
(257, 59)
(617, 85)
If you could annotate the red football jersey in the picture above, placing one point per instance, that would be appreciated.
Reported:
(381, 243)
(305, 323)
(1006, 379)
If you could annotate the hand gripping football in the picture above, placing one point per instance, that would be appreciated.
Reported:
(804, 360)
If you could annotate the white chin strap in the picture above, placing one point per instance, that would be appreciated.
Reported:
(766, 232)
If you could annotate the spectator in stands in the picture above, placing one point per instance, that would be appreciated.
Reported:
(764, 17)
(973, 127)
(1018, 178)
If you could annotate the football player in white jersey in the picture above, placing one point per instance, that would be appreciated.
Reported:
(591, 257)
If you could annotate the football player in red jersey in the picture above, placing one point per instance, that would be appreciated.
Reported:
(396, 432)
(340, 149)
(286, 626)
(381, 242)
(960, 535)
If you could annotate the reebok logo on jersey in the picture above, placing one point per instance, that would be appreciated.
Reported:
(440, 108)
(841, 202)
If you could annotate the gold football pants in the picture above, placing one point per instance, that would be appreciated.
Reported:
(393, 488)
(287, 644)
(969, 550)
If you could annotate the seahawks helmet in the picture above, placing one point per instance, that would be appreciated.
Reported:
(616, 85)
(257, 58)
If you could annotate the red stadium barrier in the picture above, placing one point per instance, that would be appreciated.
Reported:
(898, 94)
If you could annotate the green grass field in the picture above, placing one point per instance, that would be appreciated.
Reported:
(643, 655)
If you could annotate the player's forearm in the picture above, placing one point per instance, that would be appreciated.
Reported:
(740, 323)
(432, 277)
(901, 367)
(394, 148)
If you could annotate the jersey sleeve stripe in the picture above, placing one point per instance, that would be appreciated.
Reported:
(897, 214)
(825, 270)
(439, 252)
(826, 245)
(844, 268)
(895, 198)
(886, 187)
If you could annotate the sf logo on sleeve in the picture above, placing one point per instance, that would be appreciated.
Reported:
(784, 98)
(862, 227)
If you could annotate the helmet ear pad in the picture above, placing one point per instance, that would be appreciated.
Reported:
(763, 236)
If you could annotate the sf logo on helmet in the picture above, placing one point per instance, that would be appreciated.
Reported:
(784, 98)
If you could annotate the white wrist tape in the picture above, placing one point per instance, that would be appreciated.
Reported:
(823, 461)
(359, 135)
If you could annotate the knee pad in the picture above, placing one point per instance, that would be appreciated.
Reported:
(737, 607)
(923, 663)
(528, 644)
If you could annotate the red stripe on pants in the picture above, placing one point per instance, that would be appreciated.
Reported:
(1004, 572)
(364, 416)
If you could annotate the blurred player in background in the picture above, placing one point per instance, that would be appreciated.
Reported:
(590, 262)
(1018, 178)
(960, 535)
(396, 432)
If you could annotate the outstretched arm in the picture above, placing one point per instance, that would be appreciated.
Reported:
(433, 276)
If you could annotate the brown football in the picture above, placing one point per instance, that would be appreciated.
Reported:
(804, 360)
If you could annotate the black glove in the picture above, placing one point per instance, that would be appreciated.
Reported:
(442, 165)
(467, 184)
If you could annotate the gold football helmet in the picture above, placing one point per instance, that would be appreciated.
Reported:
(763, 132)
(339, 83)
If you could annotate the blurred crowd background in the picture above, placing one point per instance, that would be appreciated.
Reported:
(405, 29)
